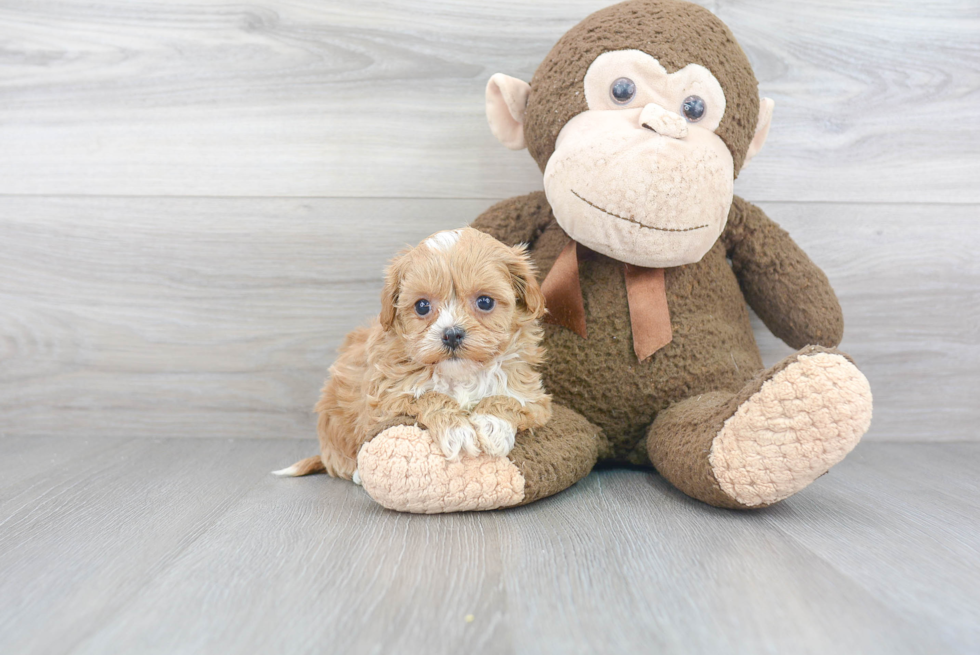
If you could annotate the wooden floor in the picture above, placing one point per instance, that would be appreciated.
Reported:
(189, 546)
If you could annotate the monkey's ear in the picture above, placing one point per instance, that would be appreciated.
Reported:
(761, 130)
(506, 102)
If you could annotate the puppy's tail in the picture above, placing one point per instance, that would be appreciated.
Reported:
(302, 467)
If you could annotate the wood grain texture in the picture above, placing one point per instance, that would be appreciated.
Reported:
(192, 547)
(204, 317)
(875, 101)
(912, 514)
(81, 536)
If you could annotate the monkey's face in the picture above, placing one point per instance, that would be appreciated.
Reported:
(641, 175)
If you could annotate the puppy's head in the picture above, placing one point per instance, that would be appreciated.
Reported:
(460, 295)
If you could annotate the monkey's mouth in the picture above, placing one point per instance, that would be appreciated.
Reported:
(636, 222)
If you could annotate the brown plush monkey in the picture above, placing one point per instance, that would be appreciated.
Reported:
(640, 118)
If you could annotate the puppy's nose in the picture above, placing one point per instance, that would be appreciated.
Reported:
(452, 337)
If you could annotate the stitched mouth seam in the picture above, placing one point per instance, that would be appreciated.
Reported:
(636, 222)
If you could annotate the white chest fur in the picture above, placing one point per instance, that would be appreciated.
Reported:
(468, 383)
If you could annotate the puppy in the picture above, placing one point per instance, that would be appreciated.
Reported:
(456, 347)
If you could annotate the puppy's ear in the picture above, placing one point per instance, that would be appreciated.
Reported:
(524, 281)
(389, 294)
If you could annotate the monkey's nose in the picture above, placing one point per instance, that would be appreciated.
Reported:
(453, 337)
(667, 123)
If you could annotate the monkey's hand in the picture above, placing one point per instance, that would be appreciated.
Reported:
(786, 289)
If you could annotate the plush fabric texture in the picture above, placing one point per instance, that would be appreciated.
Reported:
(645, 292)
(766, 106)
(679, 440)
(654, 84)
(713, 354)
(712, 347)
(802, 421)
(665, 122)
(556, 456)
(786, 289)
(682, 435)
(403, 469)
(506, 102)
(676, 34)
(701, 408)
(653, 202)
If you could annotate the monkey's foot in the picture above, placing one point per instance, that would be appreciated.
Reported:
(405, 470)
(801, 421)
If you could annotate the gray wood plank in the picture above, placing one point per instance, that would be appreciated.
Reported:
(32, 461)
(384, 98)
(199, 550)
(313, 565)
(901, 521)
(219, 317)
(635, 566)
(80, 540)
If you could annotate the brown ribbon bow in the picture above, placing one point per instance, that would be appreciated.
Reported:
(645, 292)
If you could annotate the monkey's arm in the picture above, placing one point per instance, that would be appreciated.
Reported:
(516, 220)
(789, 292)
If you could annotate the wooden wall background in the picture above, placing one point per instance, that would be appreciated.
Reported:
(197, 198)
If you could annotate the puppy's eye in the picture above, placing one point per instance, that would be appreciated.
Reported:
(622, 91)
(422, 307)
(485, 303)
(693, 108)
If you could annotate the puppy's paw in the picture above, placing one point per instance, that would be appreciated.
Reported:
(458, 437)
(496, 434)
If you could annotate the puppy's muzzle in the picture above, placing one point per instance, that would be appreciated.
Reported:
(452, 338)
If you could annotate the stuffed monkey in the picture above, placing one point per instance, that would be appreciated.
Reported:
(640, 119)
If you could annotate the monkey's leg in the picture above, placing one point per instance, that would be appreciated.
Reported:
(781, 432)
(404, 470)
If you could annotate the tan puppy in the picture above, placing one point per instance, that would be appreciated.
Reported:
(456, 346)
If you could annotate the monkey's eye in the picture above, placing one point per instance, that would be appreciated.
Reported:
(485, 303)
(622, 91)
(422, 307)
(693, 108)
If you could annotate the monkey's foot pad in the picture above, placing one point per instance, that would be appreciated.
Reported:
(404, 470)
(802, 421)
